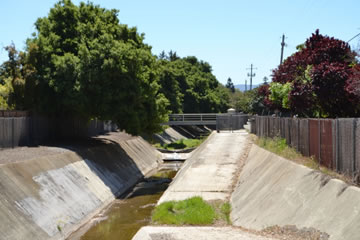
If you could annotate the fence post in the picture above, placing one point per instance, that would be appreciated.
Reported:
(298, 133)
(12, 132)
(319, 126)
(308, 138)
(289, 130)
(279, 129)
(337, 144)
(354, 148)
(217, 124)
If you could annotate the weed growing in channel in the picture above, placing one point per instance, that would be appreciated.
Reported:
(192, 211)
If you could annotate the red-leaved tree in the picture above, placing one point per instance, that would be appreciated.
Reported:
(352, 87)
(323, 80)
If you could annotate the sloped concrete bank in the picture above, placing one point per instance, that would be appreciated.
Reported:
(210, 170)
(49, 197)
(274, 191)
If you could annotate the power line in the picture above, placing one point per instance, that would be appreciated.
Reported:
(354, 37)
(251, 74)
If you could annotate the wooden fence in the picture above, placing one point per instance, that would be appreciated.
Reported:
(335, 143)
(22, 129)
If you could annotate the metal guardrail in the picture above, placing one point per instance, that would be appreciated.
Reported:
(192, 119)
(221, 121)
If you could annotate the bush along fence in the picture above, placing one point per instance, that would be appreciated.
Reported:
(335, 143)
(22, 129)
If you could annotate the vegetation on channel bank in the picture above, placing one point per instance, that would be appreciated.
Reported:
(191, 211)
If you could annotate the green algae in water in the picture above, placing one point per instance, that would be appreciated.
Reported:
(126, 216)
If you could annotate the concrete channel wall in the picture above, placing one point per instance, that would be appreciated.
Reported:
(210, 170)
(274, 191)
(49, 197)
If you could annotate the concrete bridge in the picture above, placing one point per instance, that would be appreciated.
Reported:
(224, 121)
(192, 119)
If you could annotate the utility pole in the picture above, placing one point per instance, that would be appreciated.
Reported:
(251, 74)
(245, 85)
(282, 48)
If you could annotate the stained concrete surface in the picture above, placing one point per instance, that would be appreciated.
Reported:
(275, 191)
(169, 135)
(198, 233)
(48, 197)
(210, 170)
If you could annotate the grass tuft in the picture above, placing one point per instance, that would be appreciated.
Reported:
(192, 211)
(225, 210)
(278, 146)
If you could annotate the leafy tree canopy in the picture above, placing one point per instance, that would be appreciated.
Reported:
(82, 62)
(90, 65)
(279, 94)
(230, 85)
(190, 86)
(12, 80)
(320, 79)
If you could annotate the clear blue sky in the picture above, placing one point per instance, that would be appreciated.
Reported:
(229, 34)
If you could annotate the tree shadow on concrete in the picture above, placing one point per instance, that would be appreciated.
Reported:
(107, 159)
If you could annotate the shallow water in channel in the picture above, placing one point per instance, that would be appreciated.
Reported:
(126, 216)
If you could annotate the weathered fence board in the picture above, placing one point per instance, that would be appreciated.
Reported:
(314, 138)
(335, 143)
(346, 150)
(326, 142)
(304, 137)
(357, 147)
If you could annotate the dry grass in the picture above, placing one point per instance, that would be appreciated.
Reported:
(278, 146)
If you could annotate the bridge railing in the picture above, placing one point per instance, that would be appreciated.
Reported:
(191, 117)
(222, 121)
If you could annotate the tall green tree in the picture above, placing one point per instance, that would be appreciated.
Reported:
(190, 86)
(13, 73)
(230, 85)
(89, 65)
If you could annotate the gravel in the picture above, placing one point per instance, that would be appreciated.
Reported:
(291, 232)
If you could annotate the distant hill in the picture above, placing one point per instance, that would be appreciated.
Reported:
(241, 87)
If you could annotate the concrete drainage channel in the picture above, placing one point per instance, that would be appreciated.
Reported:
(122, 219)
(271, 197)
(211, 173)
(127, 214)
(50, 196)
